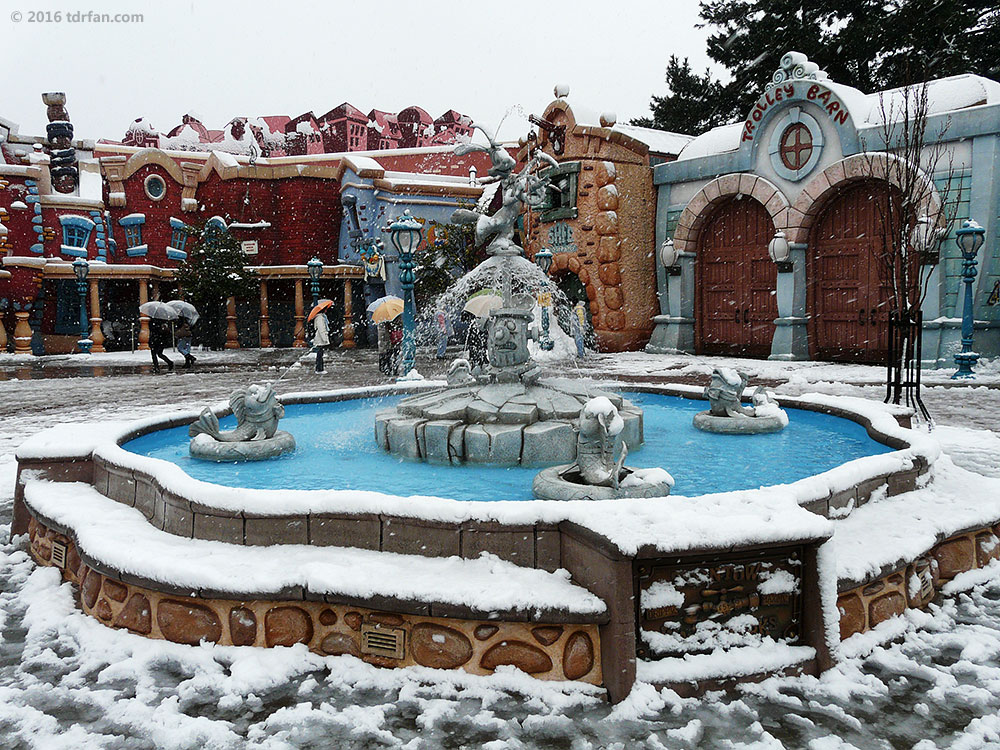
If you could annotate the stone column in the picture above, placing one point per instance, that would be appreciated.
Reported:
(143, 319)
(22, 333)
(95, 318)
(300, 317)
(155, 294)
(265, 321)
(348, 342)
(232, 335)
(674, 331)
(791, 342)
(3, 334)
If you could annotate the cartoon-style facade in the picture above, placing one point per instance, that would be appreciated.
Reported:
(599, 222)
(127, 209)
(810, 161)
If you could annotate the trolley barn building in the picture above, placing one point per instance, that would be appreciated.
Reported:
(810, 161)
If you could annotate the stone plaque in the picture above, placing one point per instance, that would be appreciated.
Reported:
(695, 605)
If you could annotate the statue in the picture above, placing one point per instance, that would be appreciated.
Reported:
(256, 436)
(597, 473)
(727, 414)
(460, 373)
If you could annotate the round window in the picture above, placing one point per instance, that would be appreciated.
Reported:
(796, 146)
(156, 188)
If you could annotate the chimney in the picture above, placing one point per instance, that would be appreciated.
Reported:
(60, 135)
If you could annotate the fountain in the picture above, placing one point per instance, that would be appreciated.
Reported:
(509, 414)
(727, 414)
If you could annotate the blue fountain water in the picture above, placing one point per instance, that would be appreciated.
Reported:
(336, 450)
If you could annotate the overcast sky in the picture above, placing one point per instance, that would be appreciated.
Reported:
(223, 59)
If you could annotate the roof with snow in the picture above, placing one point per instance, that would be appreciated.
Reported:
(944, 95)
(659, 141)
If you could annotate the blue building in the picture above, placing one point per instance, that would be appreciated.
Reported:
(820, 163)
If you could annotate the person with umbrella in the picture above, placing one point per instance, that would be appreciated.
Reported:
(383, 312)
(321, 337)
(159, 334)
(189, 316)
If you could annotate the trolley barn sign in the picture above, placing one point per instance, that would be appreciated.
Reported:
(784, 92)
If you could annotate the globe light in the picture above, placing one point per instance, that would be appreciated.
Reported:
(668, 253)
(778, 247)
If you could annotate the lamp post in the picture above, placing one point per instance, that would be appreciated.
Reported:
(405, 233)
(80, 269)
(315, 267)
(969, 239)
(544, 260)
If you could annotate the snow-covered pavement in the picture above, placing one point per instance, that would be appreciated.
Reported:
(68, 682)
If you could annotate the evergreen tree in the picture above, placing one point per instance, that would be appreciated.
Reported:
(447, 255)
(214, 270)
(871, 45)
(693, 104)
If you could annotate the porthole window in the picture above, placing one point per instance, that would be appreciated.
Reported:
(796, 146)
(155, 187)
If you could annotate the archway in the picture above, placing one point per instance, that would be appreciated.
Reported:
(735, 281)
(848, 298)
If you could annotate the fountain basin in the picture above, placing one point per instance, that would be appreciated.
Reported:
(604, 547)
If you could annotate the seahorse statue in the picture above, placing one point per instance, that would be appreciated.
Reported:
(600, 424)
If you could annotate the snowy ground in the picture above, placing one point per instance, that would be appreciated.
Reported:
(68, 682)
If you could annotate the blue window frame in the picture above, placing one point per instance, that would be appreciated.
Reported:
(132, 226)
(76, 234)
(179, 233)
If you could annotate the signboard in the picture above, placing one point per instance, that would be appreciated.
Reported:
(693, 606)
(249, 247)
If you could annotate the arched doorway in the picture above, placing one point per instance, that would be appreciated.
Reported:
(849, 302)
(736, 281)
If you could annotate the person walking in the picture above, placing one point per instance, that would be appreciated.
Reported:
(477, 344)
(321, 338)
(384, 349)
(159, 339)
(183, 334)
(395, 345)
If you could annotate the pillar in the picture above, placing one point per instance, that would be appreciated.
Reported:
(95, 318)
(265, 321)
(348, 342)
(300, 317)
(22, 333)
(674, 331)
(790, 341)
(232, 335)
(156, 290)
(3, 334)
(143, 319)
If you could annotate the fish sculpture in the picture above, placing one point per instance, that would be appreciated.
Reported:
(257, 412)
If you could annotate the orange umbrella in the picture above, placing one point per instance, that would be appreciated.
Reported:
(320, 307)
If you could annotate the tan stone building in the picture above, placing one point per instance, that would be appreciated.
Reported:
(600, 224)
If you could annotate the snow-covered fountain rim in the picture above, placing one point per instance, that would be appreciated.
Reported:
(616, 519)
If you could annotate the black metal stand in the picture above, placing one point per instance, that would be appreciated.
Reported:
(905, 357)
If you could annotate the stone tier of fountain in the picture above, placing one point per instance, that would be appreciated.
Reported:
(502, 423)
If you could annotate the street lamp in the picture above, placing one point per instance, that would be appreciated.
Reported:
(315, 267)
(80, 269)
(543, 258)
(969, 239)
(405, 233)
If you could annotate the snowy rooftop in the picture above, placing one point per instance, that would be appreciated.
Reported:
(659, 141)
(943, 95)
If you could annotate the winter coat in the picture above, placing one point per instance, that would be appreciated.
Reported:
(322, 335)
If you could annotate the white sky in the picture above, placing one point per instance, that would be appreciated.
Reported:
(223, 59)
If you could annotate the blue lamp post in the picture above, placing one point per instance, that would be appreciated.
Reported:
(969, 239)
(80, 269)
(405, 233)
(543, 258)
(315, 268)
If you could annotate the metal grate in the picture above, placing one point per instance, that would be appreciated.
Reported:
(59, 554)
(388, 642)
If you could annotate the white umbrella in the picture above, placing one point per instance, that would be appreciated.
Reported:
(186, 310)
(481, 304)
(159, 310)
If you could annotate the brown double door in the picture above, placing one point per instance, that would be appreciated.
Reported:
(850, 320)
(737, 281)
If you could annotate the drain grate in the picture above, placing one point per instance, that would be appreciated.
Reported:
(378, 641)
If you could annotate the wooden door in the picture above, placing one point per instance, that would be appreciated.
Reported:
(736, 281)
(850, 301)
